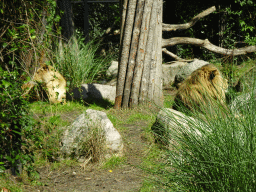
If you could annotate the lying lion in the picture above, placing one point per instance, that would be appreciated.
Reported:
(53, 81)
(203, 89)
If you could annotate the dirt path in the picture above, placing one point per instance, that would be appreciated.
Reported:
(127, 177)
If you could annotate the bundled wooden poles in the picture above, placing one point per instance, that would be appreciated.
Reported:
(140, 63)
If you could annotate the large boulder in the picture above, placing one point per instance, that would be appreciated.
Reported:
(113, 69)
(243, 102)
(187, 69)
(96, 91)
(77, 133)
(174, 72)
(170, 70)
(171, 124)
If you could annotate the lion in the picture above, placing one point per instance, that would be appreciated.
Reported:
(203, 89)
(53, 81)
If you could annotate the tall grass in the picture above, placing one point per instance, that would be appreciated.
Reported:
(221, 158)
(79, 62)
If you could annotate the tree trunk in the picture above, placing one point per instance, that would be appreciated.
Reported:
(67, 22)
(140, 62)
(86, 20)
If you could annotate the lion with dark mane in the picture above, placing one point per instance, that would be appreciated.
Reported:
(203, 89)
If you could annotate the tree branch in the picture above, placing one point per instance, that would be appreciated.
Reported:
(169, 27)
(176, 57)
(208, 45)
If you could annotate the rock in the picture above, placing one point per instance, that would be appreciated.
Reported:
(170, 70)
(112, 82)
(179, 70)
(76, 134)
(96, 91)
(171, 123)
(113, 69)
(243, 102)
(186, 70)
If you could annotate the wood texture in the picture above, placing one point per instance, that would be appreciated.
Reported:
(125, 50)
(140, 69)
(133, 53)
(140, 58)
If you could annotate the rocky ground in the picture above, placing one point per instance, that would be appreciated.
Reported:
(127, 177)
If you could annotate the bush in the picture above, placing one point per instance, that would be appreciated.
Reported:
(14, 120)
(79, 62)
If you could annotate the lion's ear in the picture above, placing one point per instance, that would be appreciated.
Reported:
(212, 74)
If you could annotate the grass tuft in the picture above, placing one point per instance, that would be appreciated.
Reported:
(80, 63)
(113, 162)
(220, 158)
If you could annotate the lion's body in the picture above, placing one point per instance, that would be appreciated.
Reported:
(203, 88)
(53, 81)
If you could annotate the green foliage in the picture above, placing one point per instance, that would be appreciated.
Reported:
(100, 21)
(43, 107)
(245, 19)
(243, 73)
(114, 162)
(19, 26)
(231, 26)
(79, 62)
(14, 120)
(10, 185)
(49, 129)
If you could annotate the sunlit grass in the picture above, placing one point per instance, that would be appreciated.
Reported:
(5, 182)
(220, 158)
(46, 107)
(79, 62)
(114, 162)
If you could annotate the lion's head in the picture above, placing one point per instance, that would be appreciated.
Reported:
(201, 89)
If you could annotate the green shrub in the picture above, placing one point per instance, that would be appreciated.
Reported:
(14, 120)
(79, 62)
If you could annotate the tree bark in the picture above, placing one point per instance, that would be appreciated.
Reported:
(133, 52)
(151, 79)
(139, 74)
(148, 56)
(140, 58)
(127, 33)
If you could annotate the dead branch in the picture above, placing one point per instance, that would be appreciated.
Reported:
(170, 27)
(208, 45)
(176, 57)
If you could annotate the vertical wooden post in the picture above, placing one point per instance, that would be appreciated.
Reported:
(140, 66)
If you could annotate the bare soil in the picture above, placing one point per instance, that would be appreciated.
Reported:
(126, 177)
